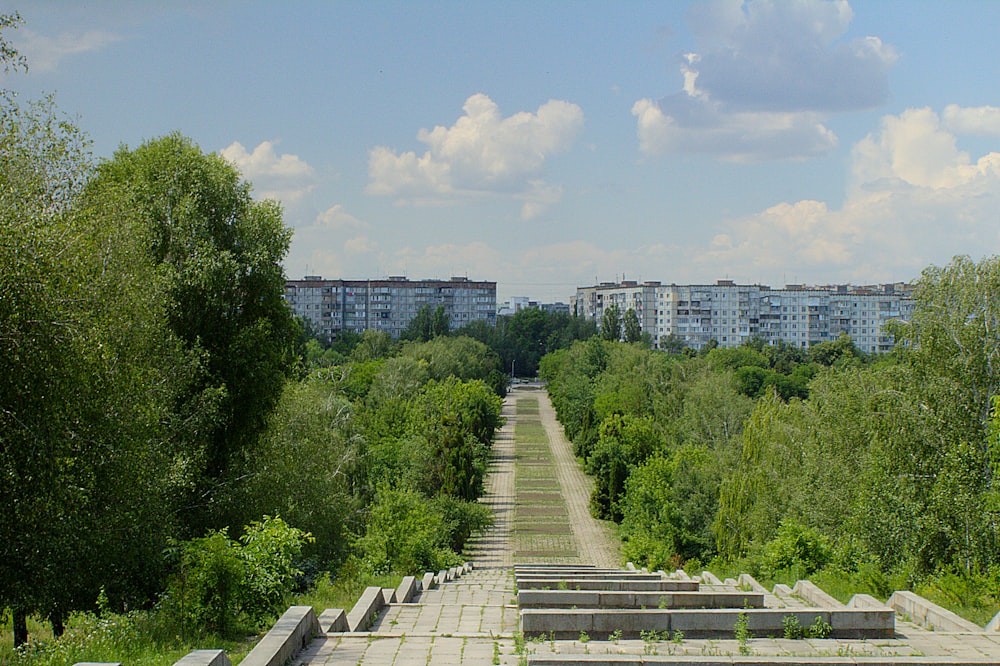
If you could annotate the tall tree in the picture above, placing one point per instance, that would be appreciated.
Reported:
(611, 323)
(630, 326)
(219, 253)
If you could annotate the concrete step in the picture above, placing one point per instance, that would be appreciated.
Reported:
(567, 623)
(629, 599)
(608, 584)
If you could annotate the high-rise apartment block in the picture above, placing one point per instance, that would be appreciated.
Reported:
(388, 304)
(733, 313)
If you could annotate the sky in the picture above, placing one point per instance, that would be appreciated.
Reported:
(550, 145)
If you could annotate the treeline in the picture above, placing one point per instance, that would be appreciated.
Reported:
(164, 441)
(880, 472)
(519, 340)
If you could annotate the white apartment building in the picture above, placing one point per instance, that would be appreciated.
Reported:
(388, 304)
(732, 313)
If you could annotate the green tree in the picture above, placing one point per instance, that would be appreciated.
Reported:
(219, 252)
(611, 324)
(630, 326)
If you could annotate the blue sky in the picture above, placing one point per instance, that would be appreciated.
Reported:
(547, 145)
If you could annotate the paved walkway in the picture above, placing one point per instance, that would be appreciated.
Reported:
(472, 620)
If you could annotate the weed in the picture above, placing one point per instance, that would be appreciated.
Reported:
(791, 628)
(820, 628)
(742, 633)
(584, 637)
(615, 636)
(678, 637)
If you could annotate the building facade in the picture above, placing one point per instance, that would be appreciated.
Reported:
(388, 304)
(732, 314)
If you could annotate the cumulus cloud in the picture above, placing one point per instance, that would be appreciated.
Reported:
(915, 199)
(984, 120)
(285, 177)
(44, 53)
(765, 77)
(337, 218)
(482, 154)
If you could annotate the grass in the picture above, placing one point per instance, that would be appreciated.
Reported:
(147, 638)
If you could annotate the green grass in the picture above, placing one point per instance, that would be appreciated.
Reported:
(147, 638)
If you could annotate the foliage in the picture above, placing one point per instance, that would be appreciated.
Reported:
(222, 584)
(796, 546)
(631, 329)
(427, 324)
(611, 324)
(403, 534)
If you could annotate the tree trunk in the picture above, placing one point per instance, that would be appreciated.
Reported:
(56, 618)
(20, 627)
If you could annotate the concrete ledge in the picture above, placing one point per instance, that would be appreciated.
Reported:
(388, 595)
(710, 578)
(865, 601)
(929, 614)
(407, 589)
(370, 603)
(619, 584)
(628, 599)
(204, 658)
(814, 595)
(567, 623)
(442, 577)
(428, 581)
(994, 624)
(98, 663)
(333, 619)
(732, 660)
(747, 580)
(590, 575)
(292, 632)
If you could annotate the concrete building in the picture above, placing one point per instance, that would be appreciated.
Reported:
(388, 304)
(732, 313)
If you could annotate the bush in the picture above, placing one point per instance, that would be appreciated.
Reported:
(795, 547)
(221, 583)
(403, 534)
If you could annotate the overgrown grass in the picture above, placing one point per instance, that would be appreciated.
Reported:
(149, 638)
(143, 638)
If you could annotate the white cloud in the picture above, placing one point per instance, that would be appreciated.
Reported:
(482, 154)
(983, 120)
(285, 177)
(766, 76)
(359, 245)
(44, 53)
(915, 200)
(336, 217)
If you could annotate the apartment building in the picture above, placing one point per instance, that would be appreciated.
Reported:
(731, 313)
(388, 304)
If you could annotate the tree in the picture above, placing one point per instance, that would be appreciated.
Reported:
(427, 324)
(630, 326)
(218, 253)
(611, 324)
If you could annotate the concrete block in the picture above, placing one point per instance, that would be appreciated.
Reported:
(746, 580)
(632, 599)
(333, 620)
(203, 658)
(370, 603)
(710, 578)
(682, 575)
(388, 596)
(619, 584)
(814, 595)
(994, 624)
(929, 614)
(601, 575)
(630, 566)
(865, 601)
(293, 631)
(407, 589)
(427, 582)
(442, 577)
(99, 663)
